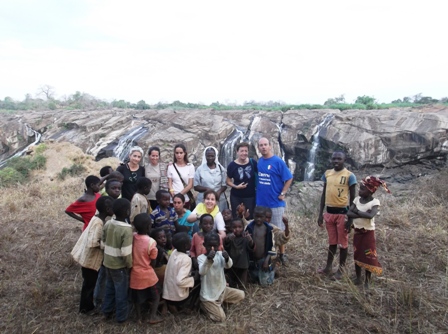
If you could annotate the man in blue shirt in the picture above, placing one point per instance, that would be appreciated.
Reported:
(274, 180)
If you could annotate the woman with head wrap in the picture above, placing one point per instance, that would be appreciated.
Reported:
(363, 212)
(131, 171)
(211, 175)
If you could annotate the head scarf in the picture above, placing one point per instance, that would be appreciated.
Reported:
(372, 183)
(204, 160)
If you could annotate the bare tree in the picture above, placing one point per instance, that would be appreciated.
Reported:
(46, 90)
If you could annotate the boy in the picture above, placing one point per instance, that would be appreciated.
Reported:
(84, 208)
(337, 195)
(89, 255)
(113, 189)
(227, 216)
(238, 244)
(117, 240)
(163, 215)
(178, 275)
(263, 234)
(139, 203)
(214, 291)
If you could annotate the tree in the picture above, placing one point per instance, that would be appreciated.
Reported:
(365, 100)
(142, 105)
(46, 90)
(335, 100)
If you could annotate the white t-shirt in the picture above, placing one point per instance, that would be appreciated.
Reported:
(365, 223)
(187, 173)
(213, 281)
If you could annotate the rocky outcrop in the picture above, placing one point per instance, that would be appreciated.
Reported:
(384, 140)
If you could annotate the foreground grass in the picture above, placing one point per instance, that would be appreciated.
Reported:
(40, 284)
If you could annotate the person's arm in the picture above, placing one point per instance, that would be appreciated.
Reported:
(184, 278)
(286, 186)
(266, 261)
(320, 220)
(74, 215)
(126, 247)
(352, 193)
(230, 183)
(351, 212)
(197, 182)
(205, 263)
(367, 214)
(220, 225)
(188, 187)
(193, 216)
(95, 234)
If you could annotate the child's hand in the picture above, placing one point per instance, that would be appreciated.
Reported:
(225, 255)
(265, 266)
(230, 236)
(211, 255)
(240, 209)
(195, 275)
(348, 225)
(285, 220)
(247, 236)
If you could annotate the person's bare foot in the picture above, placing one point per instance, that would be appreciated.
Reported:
(356, 281)
(337, 276)
(155, 320)
(172, 309)
(324, 271)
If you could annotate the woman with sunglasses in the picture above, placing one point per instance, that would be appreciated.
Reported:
(131, 171)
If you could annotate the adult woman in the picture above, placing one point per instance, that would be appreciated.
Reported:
(182, 214)
(241, 178)
(156, 172)
(131, 171)
(211, 175)
(209, 206)
(181, 174)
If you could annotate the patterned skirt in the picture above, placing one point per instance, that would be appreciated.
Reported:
(365, 251)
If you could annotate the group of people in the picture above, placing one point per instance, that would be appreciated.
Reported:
(149, 232)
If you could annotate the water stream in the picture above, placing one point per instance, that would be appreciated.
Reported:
(311, 163)
(121, 151)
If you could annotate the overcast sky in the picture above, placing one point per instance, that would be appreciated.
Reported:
(226, 51)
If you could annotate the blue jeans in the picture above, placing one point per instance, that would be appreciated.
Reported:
(257, 274)
(116, 296)
(98, 293)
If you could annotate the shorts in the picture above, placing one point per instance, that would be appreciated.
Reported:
(277, 217)
(335, 224)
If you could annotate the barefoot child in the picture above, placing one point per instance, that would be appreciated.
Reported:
(261, 269)
(117, 240)
(239, 244)
(214, 290)
(159, 236)
(89, 255)
(143, 282)
(197, 243)
(179, 277)
(139, 203)
(363, 211)
(227, 216)
(84, 208)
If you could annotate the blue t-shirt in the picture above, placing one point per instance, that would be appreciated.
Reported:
(272, 175)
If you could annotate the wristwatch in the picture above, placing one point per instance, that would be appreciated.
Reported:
(282, 194)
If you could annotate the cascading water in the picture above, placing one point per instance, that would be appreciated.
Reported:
(121, 151)
(310, 164)
(227, 149)
(36, 141)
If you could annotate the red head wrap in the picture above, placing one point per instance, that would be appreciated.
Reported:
(372, 183)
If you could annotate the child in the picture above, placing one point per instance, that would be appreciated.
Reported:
(89, 255)
(159, 236)
(113, 189)
(117, 240)
(214, 291)
(178, 275)
(363, 211)
(84, 208)
(164, 216)
(139, 203)
(227, 216)
(197, 243)
(238, 244)
(144, 280)
(279, 242)
(261, 269)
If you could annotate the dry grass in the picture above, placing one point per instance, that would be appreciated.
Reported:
(40, 284)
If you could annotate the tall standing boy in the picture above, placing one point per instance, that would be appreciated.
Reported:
(337, 196)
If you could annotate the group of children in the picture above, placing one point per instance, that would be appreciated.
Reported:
(127, 246)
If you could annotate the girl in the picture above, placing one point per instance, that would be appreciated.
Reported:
(363, 212)
(181, 174)
(209, 206)
(182, 214)
(197, 244)
(131, 171)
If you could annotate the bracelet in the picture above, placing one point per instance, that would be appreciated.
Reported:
(171, 190)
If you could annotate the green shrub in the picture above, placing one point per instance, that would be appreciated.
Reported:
(23, 165)
(10, 176)
(73, 170)
(39, 161)
(40, 148)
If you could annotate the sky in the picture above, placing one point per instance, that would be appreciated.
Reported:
(227, 51)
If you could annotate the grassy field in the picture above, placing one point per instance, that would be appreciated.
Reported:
(40, 283)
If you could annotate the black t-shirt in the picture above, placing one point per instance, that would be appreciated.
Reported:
(129, 187)
(240, 174)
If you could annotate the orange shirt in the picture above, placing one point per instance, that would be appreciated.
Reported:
(144, 249)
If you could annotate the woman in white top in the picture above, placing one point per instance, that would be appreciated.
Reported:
(211, 175)
(180, 174)
(156, 171)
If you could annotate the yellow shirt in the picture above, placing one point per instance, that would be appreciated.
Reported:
(338, 184)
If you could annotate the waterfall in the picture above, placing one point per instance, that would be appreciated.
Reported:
(226, 156)
(310, 164)
(36, 141)
(121, 151)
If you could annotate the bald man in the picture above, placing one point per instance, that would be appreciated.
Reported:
(274, 180)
